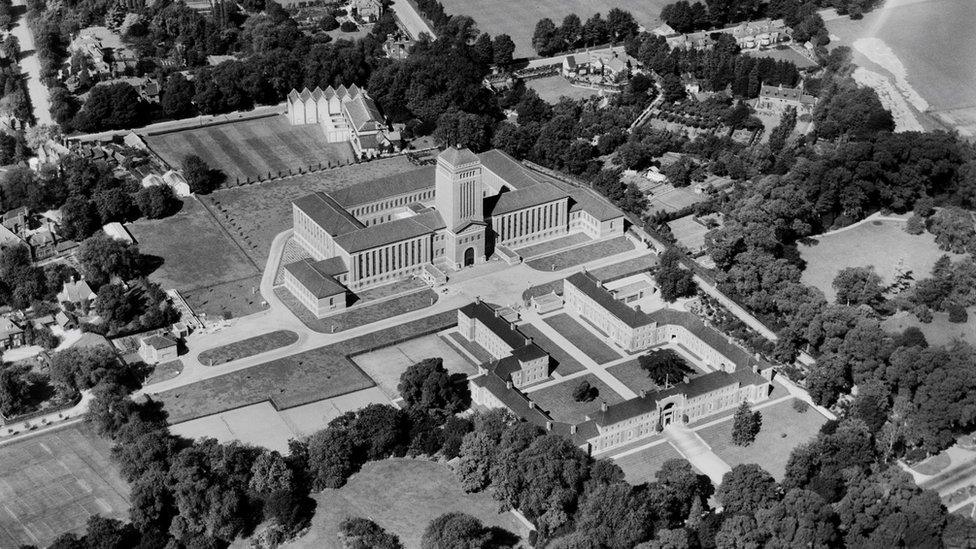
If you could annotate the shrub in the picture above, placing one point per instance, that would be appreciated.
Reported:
(915, 225)
(329, 23)
(923, 313)
(583, 392)
(348, 26)
(800, 406)
(957, 313)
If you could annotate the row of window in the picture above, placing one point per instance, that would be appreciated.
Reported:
(390, 258)
(528, 221)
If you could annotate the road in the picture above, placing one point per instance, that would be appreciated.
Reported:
(411, 19)
(31, 65)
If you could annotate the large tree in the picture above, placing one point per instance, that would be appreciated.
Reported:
(429, 386)
(665, 366)
(455, 531)
(102, 257)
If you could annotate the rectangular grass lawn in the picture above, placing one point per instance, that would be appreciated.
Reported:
(565, 363)
(582, 338)
(53, 482)
(359, 315)
(626, 268)
(403, 496)
(641, 466)
(584, 254)
(783, 429)
(633, 376)
(386, 365)
(249, 347)
(558, 399)
(297, 379)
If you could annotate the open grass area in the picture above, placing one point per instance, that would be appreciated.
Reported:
(252, 149)
(582, 338)
(193, 250)
(51, 483)
(360, 315)
(297, 379)
(232, 299)
(255, 214)
(938, 332)
(479, 353)
(583, 254)
(552, 245)
(882, 244)
(386, 365)
(783, 429)
(641, 466)
(553, 88)
(403, 496)
(565, 364)
(248, 347)
(162, 372)
(633, 376)
(518, 18)
(558, 399)
(626, 268)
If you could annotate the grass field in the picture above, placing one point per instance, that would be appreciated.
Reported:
(403, 496)
(248, 347)
(583, 254)
(938, 332)
(232, 299)
(565, 363)
(251, 149)
(625, 268)
(640, 467)
(518, 18)
(294, 380)
(553, 88)
(52, 483)
(558, 399)
(387, 364)
(883, 244)
(633, 376)
(477, 351)
(194, 250)
(162, 372)
(783, 429)
(552, 245)
(582, 338)
(359, 315)
(255, 214)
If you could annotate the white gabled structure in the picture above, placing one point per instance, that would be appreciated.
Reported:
(345, 114)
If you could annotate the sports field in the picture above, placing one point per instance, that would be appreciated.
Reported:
(517, 18)
(402, 496)
(52, 483)
(882, 244)
(255, 214)
(387, 364)
(251, 149)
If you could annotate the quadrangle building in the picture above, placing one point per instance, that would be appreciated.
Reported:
(431, 221)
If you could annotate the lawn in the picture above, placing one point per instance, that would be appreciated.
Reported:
(940, 331)
(582, 338)
(883, 244)
(403, 496)
(297, 379)
(250, 150)
(51, 483)
(558, 399)
(518, 18)
(641, 466)
(783, 429)
(387, 364)
(552, 88)
(552, 245)
(232, 299)
(255, 214)
(359, 315)
(193, 249)
(633, 376)
(162, 372)
(583, 254)
(477, 351)
(625, 268)
(565, 363)
(248, 347)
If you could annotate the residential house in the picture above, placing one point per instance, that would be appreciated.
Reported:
(76, 292)
(11, 335)
(157, 349)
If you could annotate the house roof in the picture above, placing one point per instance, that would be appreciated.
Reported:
(590, 287)
(76, 291)
(526, 198)
(506, 331)
(385, 187)
(458, 157)
(8, 238)
(388, 233)
(507, 168)
(8, 328)
(159, 342)
(790, 94)
(363, 113)
(315, 277)
(328, 214)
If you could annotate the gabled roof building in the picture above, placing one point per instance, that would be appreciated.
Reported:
(345, 114)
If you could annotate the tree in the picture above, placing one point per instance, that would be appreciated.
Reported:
(545, 38)
(855, 111)
(361, 533)
(746, 489)
(674, 280)
(745, 425)
(858, 286)
(79, 218)
(584, 392)
(665, 367)
(177, 96)
(115, 306)
(102, 257)
(455, 531)
(463, 130)
(271, 474)
(330, 458)
(801, 519)
(476, 455)
(199, 176)
(428, 386)
(954, 229)
(503, 48)
(157, 201)
(673, 89)
(113, 204)
(111, 107)
(13, 391)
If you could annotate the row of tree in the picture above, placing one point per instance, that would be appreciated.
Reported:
(548, 39)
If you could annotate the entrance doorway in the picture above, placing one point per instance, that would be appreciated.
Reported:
(667, 415)
(469, 257)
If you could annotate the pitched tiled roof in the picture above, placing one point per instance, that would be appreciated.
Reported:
(328, 214)
(385, 187)
(498, 325)
(363, 113)
(458, 157)
(77, 291)
(526, 198)
(159, 342)
(388, 233)
(590, 287)
(504, 166)
(585, 199)
(315, 277)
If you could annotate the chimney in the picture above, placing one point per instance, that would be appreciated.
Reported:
(687, 379)
(482, 370)
(755, 368)
(603, 406)
(531, 405)
(477, 299)
(496, 313)
(572, 429)
(643, 393)
(549, 425)
(528, 341)
(508, 384)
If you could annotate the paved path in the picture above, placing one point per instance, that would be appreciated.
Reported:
(410, 18)
(31, 64)
(696, 451)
